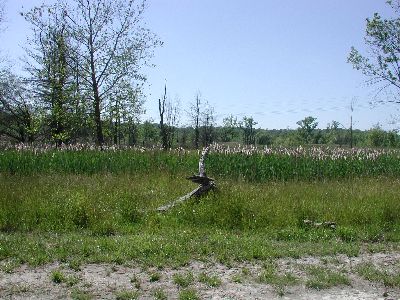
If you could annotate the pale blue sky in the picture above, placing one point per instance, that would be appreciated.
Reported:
(276, 60)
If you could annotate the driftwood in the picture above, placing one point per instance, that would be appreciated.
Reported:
(205, 184)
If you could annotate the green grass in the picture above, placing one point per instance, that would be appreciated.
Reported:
(78, 294)
(188, 294)
(164, 247)
(183, 280)
(281, 164)
(107, 205)
(8, 266)
(21, 289)
(126, 295)
(88, 206)
(135, 280)
(237, 278)
(111, 218)
(270, 275)
(159, 294)
(323, 278)
(372, 273)
(154, 276)
(210, 280)
(57, 276)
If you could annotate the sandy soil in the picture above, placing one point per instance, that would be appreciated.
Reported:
(105, 281)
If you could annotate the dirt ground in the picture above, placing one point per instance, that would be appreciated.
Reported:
(238, 281)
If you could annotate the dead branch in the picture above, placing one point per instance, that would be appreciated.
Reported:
(205, 184)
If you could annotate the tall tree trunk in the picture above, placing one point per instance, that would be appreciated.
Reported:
(197, 123)
(96, 95)
(163, 129)
(97, 117)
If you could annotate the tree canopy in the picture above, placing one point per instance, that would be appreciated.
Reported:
(382, 65)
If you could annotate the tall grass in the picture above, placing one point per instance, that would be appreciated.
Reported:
(364, 209)
(93, 161)
(249, 164)
(96, 205)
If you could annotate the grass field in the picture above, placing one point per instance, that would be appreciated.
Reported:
(92, 206)
(66, 211)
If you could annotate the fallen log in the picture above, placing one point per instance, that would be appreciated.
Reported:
(205, 184)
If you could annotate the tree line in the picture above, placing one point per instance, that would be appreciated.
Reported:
(244, 131)
(83, 74)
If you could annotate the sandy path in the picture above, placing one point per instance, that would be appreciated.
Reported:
(239, 281)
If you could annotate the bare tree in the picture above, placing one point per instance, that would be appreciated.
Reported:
(169, 113)
(207, 125)
(161, 110)
(173, 115)
(194, 113)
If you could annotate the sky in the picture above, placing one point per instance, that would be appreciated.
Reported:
(277, 61)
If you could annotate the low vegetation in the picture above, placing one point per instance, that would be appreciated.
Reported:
(159, 294)
(250, 164)
(323, 278)
(127, 295)
(372, 273)
(210, 280)
(188, 294)
(87, 206)
(183, 280)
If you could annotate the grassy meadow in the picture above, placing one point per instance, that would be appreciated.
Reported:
(86, 205)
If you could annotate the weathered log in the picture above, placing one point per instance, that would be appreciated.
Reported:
(200, 190)
(200, 179)
(202, 167)
(206, 184)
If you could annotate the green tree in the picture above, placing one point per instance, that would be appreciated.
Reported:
(125, 108)
(50, 75)
(377, 137)
(382, 65)
(264, 138)
(306, 129)
(149, 133)
(230, 128)
(112, 45)
(249, 134)
(333, 133)
(19, 117)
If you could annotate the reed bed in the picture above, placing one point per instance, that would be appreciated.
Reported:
(239, 163)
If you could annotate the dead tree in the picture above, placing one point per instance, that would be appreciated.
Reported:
(163, 129)
(205, 184)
